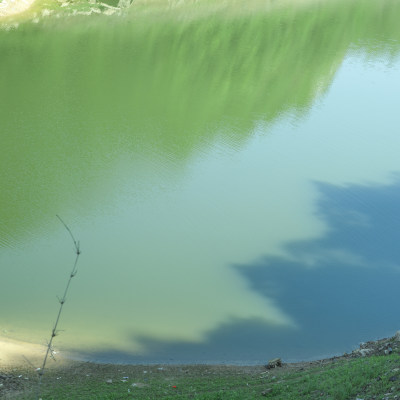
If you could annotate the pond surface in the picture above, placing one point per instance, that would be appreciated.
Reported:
(234, 181)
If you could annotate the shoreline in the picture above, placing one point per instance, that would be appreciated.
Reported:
(143, 8)
(70, 378)
(14, 353)
(10, 8)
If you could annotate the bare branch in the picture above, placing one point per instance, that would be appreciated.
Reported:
(50, 350)
(76, 244)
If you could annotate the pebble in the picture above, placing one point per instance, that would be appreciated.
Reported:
(362, 352)
(139, 385)
(266, 392)
(389, 350)
(276, 362)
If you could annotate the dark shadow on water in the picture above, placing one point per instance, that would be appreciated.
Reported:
(236, 342)
(340, 289)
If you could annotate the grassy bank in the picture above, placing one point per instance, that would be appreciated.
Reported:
(371, 372)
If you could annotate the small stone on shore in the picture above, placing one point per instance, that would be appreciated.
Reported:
(274, 363)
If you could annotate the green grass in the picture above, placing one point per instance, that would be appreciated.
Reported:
(363, 377)
(367, 378)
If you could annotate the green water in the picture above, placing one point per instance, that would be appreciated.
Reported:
(176, 148)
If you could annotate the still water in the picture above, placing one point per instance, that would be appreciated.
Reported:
(233, 179)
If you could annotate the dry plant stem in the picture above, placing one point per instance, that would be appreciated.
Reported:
(62, 300)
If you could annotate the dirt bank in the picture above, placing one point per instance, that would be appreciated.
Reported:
(63, 378)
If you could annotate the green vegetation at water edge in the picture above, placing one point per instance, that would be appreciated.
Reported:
(374, 377)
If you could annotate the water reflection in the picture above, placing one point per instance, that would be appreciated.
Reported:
(339, 289)
(77, 102)
(150, 140)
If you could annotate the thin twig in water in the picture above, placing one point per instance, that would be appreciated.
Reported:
(72, 236)
(50, 350)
